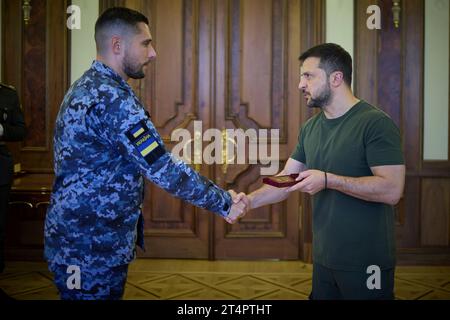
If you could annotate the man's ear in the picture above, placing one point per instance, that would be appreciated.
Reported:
(117, 45)
(336, 78)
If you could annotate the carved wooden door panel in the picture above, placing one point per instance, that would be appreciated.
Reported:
(176, 92)
(228, 64)
(257, 72)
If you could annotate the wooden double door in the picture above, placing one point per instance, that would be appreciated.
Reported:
(223, 65)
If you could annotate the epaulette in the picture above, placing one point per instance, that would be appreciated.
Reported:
(3, 85)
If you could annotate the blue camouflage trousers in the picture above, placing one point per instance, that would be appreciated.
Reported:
(105, 283)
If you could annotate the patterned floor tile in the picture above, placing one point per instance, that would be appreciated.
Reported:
(171, 286)
(141, 277)
(285, 280)
(436, 295)
(406, 290)
(434, 280)
(211, 278)
(205, 294)
(47, 293)
(283, 294)
(135, 293)
(247, 287)
(447, 285)
(24, 283)
(6, 275)
(161, 279)
(303, 287)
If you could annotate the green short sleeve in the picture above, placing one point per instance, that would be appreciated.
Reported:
(383, 143)
(299, 151)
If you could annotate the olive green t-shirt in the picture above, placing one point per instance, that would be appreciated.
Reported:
(350, 233)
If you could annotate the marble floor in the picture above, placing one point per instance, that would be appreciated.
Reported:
(153, 279)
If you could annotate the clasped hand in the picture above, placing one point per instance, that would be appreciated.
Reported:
(240, 206)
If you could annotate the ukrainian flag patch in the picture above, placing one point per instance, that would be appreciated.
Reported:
(144, 142)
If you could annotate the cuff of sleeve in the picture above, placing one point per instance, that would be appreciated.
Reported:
(226, 204)
(1, 130)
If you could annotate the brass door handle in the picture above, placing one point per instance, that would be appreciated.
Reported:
(196, 162)
(197, 151)
(225, 155)
(224, 152)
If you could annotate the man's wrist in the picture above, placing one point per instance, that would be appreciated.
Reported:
(254, 201)
(2, 130)
(251, 198)
(332, 181)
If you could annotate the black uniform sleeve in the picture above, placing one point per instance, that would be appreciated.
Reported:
(12, 118)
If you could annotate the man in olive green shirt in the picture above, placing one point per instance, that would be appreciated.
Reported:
(349, 158)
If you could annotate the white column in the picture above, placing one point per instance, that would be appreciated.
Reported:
(83, 51)
(436, 80)
(339, 24)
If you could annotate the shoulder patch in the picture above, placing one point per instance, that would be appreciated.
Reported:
(145, 143)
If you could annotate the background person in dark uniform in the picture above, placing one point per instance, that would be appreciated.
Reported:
(12, 128)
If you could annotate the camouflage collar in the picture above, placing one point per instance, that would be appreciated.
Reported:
(109, 72)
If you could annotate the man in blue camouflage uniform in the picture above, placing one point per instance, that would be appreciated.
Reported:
(104, 145)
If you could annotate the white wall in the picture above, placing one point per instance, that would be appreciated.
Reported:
(83, 45)
(436, 81)
(339, 24)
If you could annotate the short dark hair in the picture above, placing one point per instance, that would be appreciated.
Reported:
(117, 19)
(332, 58)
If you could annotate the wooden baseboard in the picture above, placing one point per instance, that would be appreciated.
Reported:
(423, 256)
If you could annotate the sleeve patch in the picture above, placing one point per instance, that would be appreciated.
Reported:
(144, 142)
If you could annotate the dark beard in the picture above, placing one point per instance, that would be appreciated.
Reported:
(132, 70)
(323, 99)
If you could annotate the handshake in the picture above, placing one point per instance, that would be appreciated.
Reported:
(241, 204)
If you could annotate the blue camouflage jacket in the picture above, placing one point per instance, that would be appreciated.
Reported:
(104, 144)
